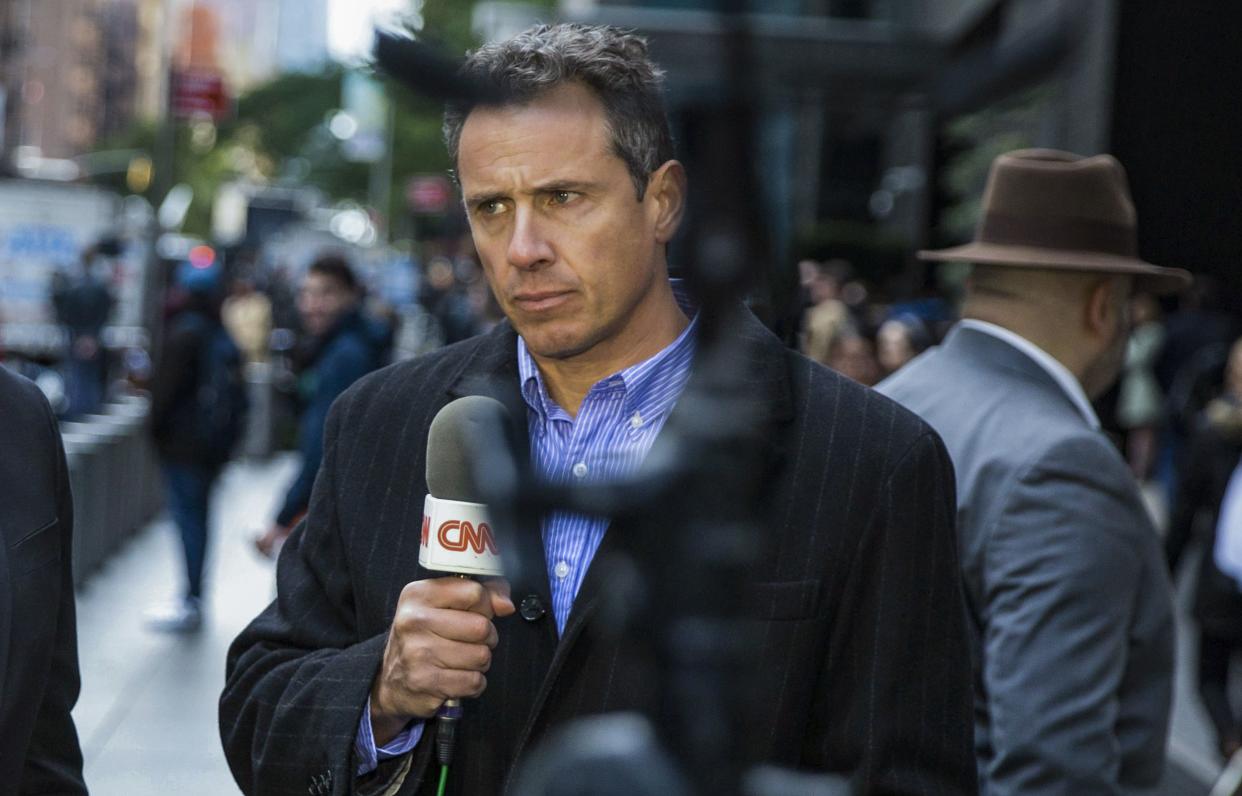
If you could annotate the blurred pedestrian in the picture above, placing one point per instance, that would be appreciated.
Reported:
(853, 356)
(1189, 369)
(342, 346)
(1211, 460)
(83, 304)
(827, 316)
(39, 680)
(247, 314)
(197, 416)
(446, 302)
(1065, 579)
(899, 340)
(1140, 403)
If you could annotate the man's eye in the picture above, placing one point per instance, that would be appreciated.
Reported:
(491, 207)
(562, 197)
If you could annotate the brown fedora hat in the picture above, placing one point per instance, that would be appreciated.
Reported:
(1044, 208)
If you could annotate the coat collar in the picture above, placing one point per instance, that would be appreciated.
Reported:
(993, 353)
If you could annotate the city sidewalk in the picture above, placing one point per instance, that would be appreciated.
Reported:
(147, 714)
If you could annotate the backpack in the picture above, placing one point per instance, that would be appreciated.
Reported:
(221, 401)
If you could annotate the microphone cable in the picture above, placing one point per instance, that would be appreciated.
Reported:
(447, 718)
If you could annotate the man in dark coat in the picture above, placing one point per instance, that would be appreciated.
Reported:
(39, 680)
(573, 194)
(198, 407)
(342, 346)
(82, 306)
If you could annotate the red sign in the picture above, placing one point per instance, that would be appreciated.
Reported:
(198, 93)
(429, 194)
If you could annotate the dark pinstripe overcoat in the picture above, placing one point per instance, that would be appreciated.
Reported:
(39, 680)
(864, 667)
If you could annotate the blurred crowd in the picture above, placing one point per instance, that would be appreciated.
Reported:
(306, 340)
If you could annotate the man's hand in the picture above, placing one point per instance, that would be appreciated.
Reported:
(439, 647)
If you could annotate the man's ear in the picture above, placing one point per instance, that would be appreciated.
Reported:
(1098, 310)
(1103, 308)
(666, 192)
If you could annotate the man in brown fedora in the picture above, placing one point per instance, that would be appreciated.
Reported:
(1069, 602)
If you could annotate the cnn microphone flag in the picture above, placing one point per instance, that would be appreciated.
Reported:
(457, 537)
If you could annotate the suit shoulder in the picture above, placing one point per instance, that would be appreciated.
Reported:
(1083, 456)
(21, 402)
(891, 430)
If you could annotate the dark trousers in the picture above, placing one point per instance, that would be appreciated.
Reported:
(84, 383)
(1215, 655)
(188, 488)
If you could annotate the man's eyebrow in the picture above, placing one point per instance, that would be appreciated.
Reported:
(568, 185)
(479, 198)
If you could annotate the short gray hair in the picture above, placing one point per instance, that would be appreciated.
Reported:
(612, 63)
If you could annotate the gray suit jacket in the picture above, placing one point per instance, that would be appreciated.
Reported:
(1069, 601)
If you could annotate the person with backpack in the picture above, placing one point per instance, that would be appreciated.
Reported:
(198, 412)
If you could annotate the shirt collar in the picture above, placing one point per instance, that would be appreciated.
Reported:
(645, 383)
(1059, 373)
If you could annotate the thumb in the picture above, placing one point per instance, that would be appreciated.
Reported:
(499, 590)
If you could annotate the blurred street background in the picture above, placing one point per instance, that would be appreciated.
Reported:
(164, 157)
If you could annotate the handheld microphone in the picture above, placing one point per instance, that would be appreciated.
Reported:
(457, 533)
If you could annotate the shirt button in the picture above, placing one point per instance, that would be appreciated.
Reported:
(562, 569)
(580, 470)
(636, 420)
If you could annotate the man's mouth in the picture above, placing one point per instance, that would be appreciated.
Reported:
(541, 300)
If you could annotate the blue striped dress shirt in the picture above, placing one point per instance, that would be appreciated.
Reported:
(615, 428)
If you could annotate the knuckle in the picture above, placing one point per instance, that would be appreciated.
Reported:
(478, 627)
(418, 654)
(472, 589)
(440, 683)
(410, 618)
(413, 591)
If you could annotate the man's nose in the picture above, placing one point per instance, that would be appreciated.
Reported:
(529, 247)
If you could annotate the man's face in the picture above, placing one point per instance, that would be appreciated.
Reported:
(321, 301)
(575, 260)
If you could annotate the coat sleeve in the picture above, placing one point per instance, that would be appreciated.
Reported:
(340, 368)
(1061, 581)
(299, 676)
(54, 758)
(899, 680)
